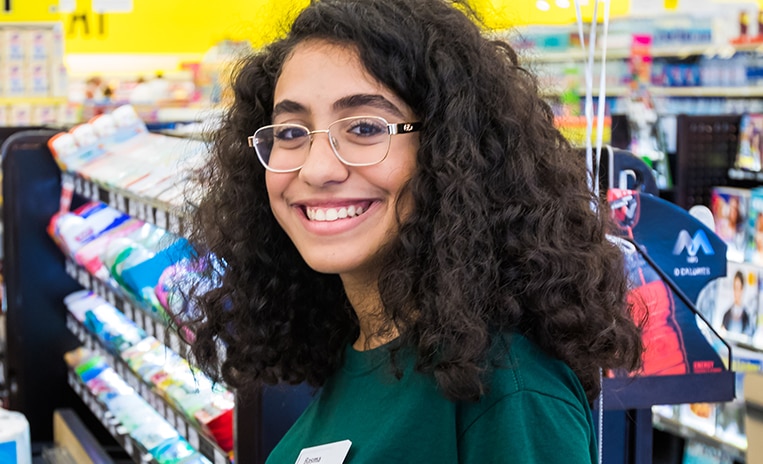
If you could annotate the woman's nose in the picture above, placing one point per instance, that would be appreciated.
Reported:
(322, 166)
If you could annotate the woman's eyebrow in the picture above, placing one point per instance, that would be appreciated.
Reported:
(376, 101)
(288, 106)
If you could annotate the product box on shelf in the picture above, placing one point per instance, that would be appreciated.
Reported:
(730, 207)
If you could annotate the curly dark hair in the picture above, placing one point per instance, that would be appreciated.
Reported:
(502, 236)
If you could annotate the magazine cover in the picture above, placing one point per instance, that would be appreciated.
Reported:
(754, 251)
(750, 142)
(730, 208)
(736, 308)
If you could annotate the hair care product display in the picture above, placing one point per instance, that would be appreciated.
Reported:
(135, 416)
(152, 368)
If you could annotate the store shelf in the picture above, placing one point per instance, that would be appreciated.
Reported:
(644, 392)
(740, 174)
(133, 449)
(131, 308)
(726, 92)
(678, 428)
(729, 92)
(678, 51)
(187, 429)
(160, 214)
(33, 100)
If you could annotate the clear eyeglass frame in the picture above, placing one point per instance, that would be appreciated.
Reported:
(392, 129)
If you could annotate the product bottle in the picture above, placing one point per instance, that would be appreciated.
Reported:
(15, 443)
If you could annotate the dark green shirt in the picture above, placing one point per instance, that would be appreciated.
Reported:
(534, 412)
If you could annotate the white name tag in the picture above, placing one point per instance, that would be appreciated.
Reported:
(330, 453)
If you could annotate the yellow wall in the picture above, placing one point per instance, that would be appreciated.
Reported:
(185, 26)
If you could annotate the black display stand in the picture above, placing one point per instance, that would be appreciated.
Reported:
(628, 427)
(35, 285)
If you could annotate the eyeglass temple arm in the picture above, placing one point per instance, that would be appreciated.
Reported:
(404, 128)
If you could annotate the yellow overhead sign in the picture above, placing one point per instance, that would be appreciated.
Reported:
(184, 26)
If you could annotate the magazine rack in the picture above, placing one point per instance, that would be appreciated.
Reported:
(671, 256)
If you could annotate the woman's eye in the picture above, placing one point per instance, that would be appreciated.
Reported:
(367, 129)
(290, 133)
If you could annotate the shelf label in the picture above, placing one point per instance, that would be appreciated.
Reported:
(78, 185)
(129, 312)
(86, 189)
(174, 342)
(121, 203)
(95, 192)
(182, 426)
(171, 416)
(193, 437)
(112, 199)
(71, 269)
(149, 326)
(111, 298)
(161, 219)
(159, 332)
(84, 279)
(132, 210)
(128, 445)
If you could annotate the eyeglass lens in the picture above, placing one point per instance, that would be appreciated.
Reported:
(356, 141)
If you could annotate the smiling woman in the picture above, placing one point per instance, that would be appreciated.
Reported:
(400, 224)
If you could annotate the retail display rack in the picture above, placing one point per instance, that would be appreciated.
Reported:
(40, 332)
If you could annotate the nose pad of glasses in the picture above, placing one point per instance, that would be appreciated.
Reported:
(334, 142)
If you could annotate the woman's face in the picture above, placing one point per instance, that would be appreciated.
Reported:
(339, 217)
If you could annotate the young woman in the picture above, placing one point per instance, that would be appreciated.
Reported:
(397, 221)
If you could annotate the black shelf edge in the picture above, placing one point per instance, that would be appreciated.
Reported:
(645, 392)
(188, 430)
(676, 427)
(134, 310)
(160, 214)
(133, 449)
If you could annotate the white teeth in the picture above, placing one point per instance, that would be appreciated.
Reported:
(333, 214)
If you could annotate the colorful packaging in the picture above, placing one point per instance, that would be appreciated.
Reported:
(730, 207)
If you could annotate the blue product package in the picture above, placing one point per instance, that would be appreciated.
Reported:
(8, 452)
(147, 273)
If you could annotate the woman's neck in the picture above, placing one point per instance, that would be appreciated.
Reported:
(363, 294)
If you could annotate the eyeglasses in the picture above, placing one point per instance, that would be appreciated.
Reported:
(356, 141)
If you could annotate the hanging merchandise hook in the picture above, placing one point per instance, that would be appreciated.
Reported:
(590, 56)
(593, 169)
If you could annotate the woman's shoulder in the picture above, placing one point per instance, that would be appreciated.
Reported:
(520, 366)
